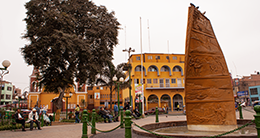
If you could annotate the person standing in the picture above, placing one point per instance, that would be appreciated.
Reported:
(33, 118)
(116, 112)
(178, 107)
(106, 104)
(37, 109)
(20, 119)
(77, 120)
(127, 106)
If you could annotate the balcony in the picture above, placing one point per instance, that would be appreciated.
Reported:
(164, 86)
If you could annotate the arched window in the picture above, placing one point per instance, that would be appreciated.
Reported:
(152, 69)
(177, 69)
(138, 68)
(165, 69)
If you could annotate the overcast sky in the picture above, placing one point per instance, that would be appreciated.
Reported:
(236, 24)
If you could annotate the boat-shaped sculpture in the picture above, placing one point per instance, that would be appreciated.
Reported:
(209, 95)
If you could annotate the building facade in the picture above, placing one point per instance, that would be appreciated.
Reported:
(254, 93)
(241, 86)
(163, 80)
(84, 96)
(6, 92)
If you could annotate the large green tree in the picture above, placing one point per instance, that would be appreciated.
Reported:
(69, 40)
(106, 79)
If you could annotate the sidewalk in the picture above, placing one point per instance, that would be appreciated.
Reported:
(75, 130)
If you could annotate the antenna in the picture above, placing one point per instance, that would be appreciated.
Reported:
(125, 44)
(168, 46)
(148, 35)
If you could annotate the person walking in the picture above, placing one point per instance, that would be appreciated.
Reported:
(77, 109)
(33, 118)
(20, 119)
(116, 112)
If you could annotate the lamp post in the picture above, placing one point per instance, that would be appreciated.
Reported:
(4, 71)
(67, 97)
(19, 98)
(129, 70)
(140, 108)
(120, 81)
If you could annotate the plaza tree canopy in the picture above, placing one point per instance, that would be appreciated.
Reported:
(69, 40)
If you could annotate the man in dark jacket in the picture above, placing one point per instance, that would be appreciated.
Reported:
(104, 114)
(19, 119)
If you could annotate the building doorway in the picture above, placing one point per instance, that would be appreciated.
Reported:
(166, 101)
(152, 101)
(177, 100)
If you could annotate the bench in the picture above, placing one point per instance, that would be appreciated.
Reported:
(14, 124)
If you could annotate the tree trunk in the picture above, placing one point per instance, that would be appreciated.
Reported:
(111, 99)
(58, 103)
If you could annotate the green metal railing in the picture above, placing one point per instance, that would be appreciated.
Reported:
(128, 124)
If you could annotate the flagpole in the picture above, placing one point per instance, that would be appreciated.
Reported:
(141, 66)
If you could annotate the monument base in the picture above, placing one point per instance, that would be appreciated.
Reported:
(224, 128)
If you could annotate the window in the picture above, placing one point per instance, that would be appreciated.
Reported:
(176, 69)
(155, 80)
(90, 88)
(8, 96)
(91, 97)
(3, 87)
(167, 57)
(143, 81)
(164, 69)
(253, 91)
(149, 81)
(157, 57)
(173, 80)
(138, 68)
(137, 58)
(97, 88)
(254, 99)
(101, 88)
(136, 81)
(152, 69)
(150, 57)
(174, 58)
(2, 96)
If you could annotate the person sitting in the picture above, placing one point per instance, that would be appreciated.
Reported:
(46, 119)
(20, 119)
(70, 115)
(137, 113)
(109, 115)
(33, 118)
(133, 114)
(51, 119)
(104, 114)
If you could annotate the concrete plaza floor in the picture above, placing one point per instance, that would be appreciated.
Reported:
(75, 130)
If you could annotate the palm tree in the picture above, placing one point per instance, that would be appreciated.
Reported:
(106, 78)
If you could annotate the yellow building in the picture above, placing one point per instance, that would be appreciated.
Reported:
(163, 80)
(85, 96)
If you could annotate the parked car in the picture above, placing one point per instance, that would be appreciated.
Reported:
(152, 111)
(256, 103)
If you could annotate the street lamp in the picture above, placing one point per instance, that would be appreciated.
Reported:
(67, 104)
(120, 81)
(129, 70)
(4, 71)
(139, 95)
(19, 98)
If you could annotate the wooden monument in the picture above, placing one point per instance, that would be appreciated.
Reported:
(209, 95)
